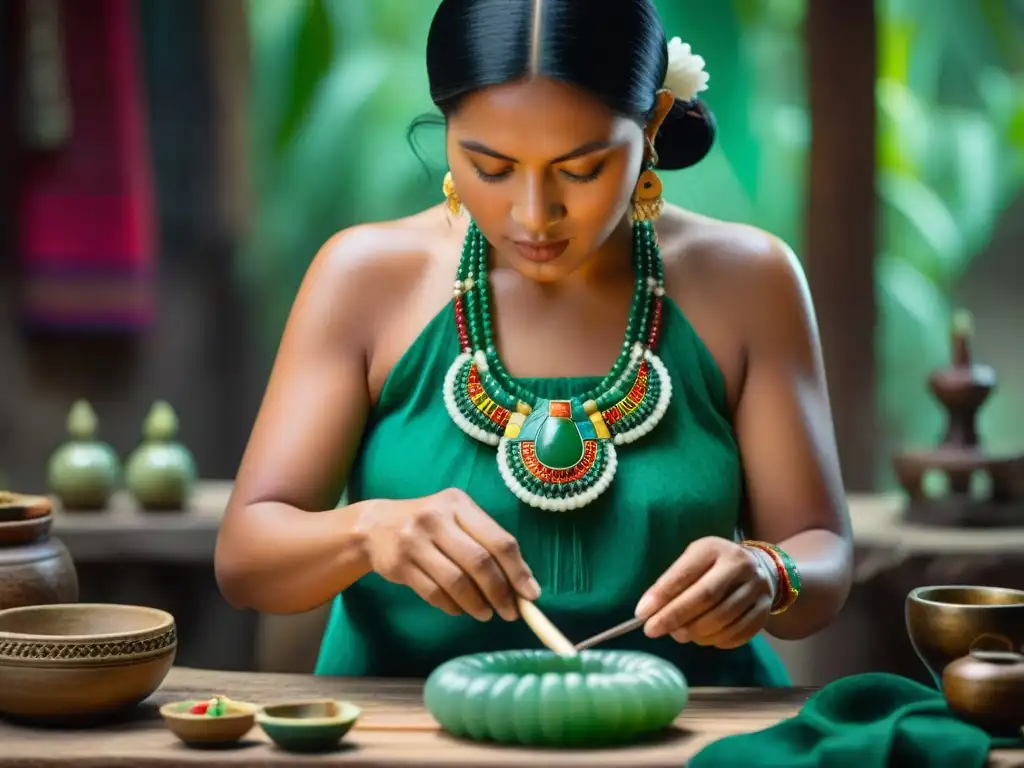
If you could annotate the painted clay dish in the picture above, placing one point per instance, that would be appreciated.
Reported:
(534, 697)
(80, 660)
(202, 731)
(312, 726)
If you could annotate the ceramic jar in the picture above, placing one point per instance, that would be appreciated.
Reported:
(83, 473)
(987, 688)
(35, 568)
(160, 473)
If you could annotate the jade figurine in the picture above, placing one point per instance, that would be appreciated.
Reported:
(160, 473)
(84, 472)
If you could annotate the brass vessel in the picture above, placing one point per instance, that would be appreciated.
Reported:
(946, 623)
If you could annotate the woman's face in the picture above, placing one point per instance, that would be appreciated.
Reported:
(546, 171)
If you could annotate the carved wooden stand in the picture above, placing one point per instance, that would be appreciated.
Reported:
(962, 389)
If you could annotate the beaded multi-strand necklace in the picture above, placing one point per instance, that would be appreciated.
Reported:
(557, 455)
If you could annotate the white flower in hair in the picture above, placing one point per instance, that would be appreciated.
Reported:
(686, 76)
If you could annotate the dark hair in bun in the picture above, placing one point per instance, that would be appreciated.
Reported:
(615, 49)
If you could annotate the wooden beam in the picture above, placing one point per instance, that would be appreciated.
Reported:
(841, 44)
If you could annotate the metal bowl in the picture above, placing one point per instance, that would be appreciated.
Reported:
(946, 623)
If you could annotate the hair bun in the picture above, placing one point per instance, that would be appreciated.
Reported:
(686, 136)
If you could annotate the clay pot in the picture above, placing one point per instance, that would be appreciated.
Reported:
(987, 688)
(35, 568)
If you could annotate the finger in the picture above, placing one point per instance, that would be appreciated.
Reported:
(458, 584)
(744, 629)
(503, 546)
(683, 573)
(474, 559)
(701, 596)
(428, 589)
(713, 621)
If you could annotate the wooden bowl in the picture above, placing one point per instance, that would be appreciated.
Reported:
(946, 623)
(81, 661)
(204, 731)
(308, 726)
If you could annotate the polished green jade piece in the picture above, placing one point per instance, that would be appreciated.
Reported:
(532, 697)
(559, 444)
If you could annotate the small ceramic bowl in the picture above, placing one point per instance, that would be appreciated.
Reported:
(308, 726)
(205, 731)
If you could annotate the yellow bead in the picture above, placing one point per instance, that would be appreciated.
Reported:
(523, 408)
(590, 407)
(515, 425)
(599, 426)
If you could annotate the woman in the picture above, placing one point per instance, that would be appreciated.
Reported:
(506, 439)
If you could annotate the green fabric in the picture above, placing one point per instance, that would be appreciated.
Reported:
(872, 720)
(681, 482)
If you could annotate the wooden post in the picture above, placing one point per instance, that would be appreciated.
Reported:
(841, 44)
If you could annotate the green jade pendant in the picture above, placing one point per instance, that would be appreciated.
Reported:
(558, 452)
(557, 455)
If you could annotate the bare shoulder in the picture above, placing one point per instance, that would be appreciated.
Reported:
(364, 274)
(392, 255)
(727, 250)
(751, 273)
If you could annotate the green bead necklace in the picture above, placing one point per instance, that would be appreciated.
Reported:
(557, 455)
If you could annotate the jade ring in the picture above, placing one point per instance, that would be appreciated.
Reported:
(534, 697)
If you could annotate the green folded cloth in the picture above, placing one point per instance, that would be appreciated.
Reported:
(872, 720)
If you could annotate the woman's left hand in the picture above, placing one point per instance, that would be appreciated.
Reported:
(714, 594)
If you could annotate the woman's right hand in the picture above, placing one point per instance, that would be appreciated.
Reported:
(450, 552)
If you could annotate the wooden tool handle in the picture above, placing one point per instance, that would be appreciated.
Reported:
(544, 629)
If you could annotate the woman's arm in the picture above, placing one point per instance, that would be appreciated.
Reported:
(784, 426)
(272, 553)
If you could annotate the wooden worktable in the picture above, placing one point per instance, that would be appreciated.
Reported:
(394, 730)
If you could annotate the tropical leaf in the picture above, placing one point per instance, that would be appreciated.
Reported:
(714, 31)
(915, 314)
(918, 227)
(312, 57)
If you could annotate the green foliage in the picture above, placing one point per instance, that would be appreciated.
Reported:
(950, 161)
(336, 85)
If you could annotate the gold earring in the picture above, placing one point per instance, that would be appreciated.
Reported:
(647, 199)
(451, 196)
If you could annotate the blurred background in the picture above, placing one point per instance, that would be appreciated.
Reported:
(168, 168)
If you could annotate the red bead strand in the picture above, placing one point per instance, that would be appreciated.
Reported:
(655, 333)
(460, 323)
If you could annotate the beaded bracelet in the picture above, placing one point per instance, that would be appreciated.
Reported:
(789, 575)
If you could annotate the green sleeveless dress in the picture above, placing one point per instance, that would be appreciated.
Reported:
(679, 483)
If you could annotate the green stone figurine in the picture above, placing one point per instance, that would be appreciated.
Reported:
(160, 473)
(84, 472)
